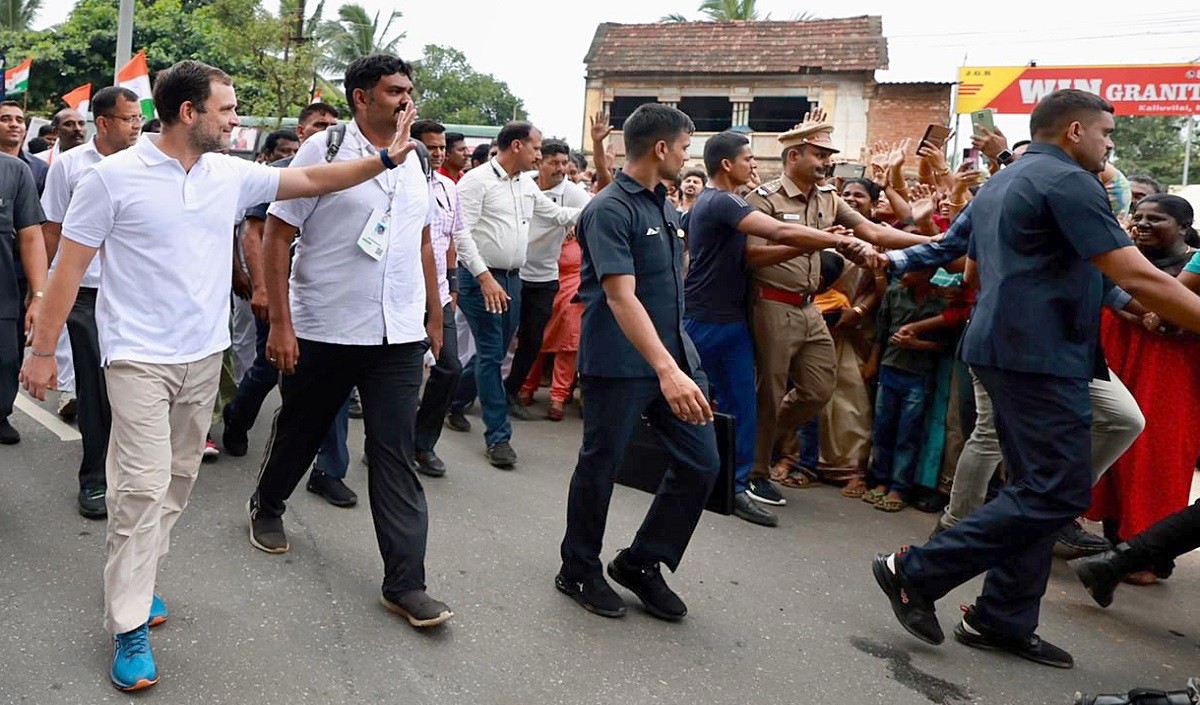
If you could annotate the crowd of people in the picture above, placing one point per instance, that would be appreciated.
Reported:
(920, 336)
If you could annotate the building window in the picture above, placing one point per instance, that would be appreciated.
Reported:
(777, 114)
(709, 114)
(623, 106)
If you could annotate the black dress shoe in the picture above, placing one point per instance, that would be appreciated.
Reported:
(457, 421)
(430, 465)
(8, 435)
(233, 439)
(1076, 542)
(647, 583)
(1032, 648)
(91, 503)
(502, 455)
(1102, 573)
(915, 613)
(332, 489)
(748, 509)
(594, 595)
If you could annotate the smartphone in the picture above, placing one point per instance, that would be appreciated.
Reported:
(849, 170)
(984, 118)
(936, 135)
(970, 155)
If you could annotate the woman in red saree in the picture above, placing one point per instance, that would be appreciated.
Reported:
(562, 334)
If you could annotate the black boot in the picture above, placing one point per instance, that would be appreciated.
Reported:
(1101, 574)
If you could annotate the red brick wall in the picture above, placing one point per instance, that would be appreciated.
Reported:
(899, 110)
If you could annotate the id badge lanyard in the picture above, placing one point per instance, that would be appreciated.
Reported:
(376, 234)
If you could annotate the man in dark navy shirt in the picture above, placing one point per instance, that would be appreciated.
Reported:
(1042, 235)
(635, 359)
(715, 292)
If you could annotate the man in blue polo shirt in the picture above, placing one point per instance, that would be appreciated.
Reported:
(1042, 235)
(635, 359)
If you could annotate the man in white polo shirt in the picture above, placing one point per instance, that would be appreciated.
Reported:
(362, 302)
(118, 118)
(163, 315)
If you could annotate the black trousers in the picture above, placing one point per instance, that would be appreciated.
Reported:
(12, 336)
(537, 303)
(91, 392)
(1172, 536)
(388, 378)
(439, 388)
(612, 408)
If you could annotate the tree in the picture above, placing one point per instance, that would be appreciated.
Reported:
(352, 35)
(1155, 146)
(18, 15)
(451, 91)
(732, 11)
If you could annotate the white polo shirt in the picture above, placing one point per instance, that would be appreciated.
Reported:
(546, 235)
(340, 294)
(166, 248)
(61, 181)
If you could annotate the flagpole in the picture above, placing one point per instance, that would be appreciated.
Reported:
(124, 37)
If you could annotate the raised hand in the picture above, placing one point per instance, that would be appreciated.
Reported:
(403, 142)
(988, 142)
(895, 158)
(599, 127)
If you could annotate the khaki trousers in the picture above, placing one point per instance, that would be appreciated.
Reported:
(160, 414)
(793, 343)
(846, 419)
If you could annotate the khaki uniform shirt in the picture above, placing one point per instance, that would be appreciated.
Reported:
(782, 199)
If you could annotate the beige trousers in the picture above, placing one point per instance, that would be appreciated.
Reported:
(160, 414)
(789, 343)
(846, 419)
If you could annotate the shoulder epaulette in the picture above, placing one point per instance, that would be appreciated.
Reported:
(770, 187)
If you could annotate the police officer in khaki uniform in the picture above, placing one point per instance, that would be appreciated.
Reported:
(792, 341)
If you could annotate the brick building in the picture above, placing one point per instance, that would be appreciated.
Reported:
(760, 78)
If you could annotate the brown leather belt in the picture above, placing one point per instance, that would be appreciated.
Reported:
(770, 293)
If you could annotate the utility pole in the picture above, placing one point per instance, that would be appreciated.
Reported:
(124, 37)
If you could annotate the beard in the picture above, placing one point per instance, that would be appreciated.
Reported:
(210, 142)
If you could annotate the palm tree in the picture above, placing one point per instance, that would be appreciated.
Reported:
(730, 10)
(352, 35)
(18, 15)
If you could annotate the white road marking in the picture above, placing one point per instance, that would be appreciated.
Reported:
(57, 426)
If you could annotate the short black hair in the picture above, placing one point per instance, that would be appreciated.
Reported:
(513, 131)
(106, 99)
(722, 146)
(364, 72)
(45, 130)
(188, 81)
(37, 145)
(480, 154)
(154, 125)
(453, 138)
(12, 104)
(1148, 180)
(1062, 107)
(1019, 144)
(276, 137)
(316, 109)
(652, 123)
(579, 160)
(698, 173)
(555, 147)
(421, 127)
(869, 186)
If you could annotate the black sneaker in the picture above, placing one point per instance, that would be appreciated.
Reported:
(763, 490)
(418, 608)
(1032, 648)
(648, 584)
(915, 613)
(233, 439)
(1076, 542)
(91, 503)
(456, 420)
(748, 509)
(430, 465)
(331, 488)
(595, 595)
(266, 532)
(8, 435)
(355, 411)
(502, 455)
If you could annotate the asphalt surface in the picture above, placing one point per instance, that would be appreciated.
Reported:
(784, 615)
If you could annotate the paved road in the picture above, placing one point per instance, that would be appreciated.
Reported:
(786, 615)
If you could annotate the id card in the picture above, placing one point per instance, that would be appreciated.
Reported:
(374, 237)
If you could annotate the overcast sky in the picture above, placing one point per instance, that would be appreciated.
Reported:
(537, 46)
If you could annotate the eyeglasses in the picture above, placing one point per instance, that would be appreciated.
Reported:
(129, 120)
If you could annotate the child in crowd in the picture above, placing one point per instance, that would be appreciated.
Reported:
(905, 364)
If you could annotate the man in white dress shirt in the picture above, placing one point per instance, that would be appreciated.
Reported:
(163, 315)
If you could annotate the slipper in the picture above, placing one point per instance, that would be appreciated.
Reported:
(797, 479)
(873, 496)
(855, 489)
(890, 505)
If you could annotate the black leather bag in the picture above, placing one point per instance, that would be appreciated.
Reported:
(647, 460)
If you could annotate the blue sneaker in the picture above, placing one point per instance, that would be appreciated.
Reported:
(158, 612)
(133, 665)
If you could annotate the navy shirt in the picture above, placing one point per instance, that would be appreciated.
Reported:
(260, 211)
(19, 208)
(1034, 228)
(715, 291)
(628, 229)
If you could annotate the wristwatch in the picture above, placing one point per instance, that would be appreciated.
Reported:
(1005, 157)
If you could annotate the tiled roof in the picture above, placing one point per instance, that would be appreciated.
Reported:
(813, 46)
